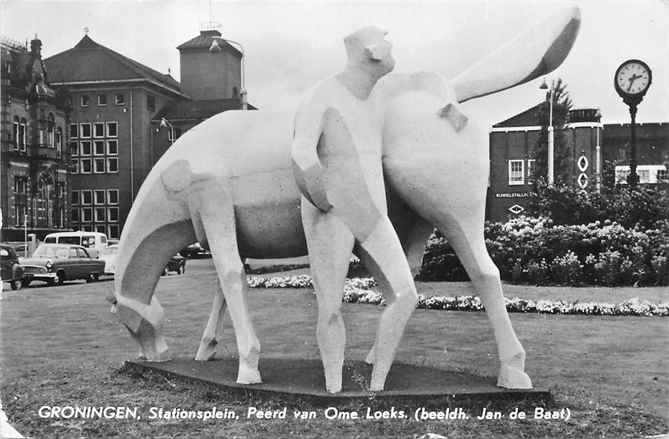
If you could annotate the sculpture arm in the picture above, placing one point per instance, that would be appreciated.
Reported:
(307, 166)
(533, 53)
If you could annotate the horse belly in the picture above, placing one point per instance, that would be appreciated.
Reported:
(267, 213)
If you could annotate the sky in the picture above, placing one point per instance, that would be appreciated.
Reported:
(289, 46)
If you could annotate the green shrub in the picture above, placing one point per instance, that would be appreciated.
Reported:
(537, 251)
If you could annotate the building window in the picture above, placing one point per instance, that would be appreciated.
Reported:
(85, 166)
(19, 185)
(74, 198)
(102, 100)
(101, 228)
(516, 172)
(113, 231)
(112, 165)
(99, 196)
(15, 132)
(530, 169)
(74, 131)
(85, 148)
(85, 100)
(99, 166)
(112, 130)
(99, 214)
(112, 196)
(85, 130)
(23, 129)
(151, 102)
(74, 166)
(87, 214)
(99, 129)
(99, 147)
(112, 147)
(119, 99)
(74, 149)
(74, 215)
(86, 197)
(112, 214)
(59, 138)
(50, 131)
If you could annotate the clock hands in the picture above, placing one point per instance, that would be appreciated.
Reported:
(633, 78)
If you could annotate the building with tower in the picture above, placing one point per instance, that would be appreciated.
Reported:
(34, 178)
(115, 135)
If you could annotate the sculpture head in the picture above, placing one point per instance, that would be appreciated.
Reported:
(368, 48)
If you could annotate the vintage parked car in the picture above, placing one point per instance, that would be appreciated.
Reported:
(56, 263)
(195, 251)
(10, 269)
(176, 263)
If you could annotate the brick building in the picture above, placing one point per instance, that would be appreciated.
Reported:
(590, 144)
(34, 181)
(113, 99)
(117, 104)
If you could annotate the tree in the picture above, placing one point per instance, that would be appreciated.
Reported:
(561, 106)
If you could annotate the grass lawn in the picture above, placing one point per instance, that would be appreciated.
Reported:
(61, 346)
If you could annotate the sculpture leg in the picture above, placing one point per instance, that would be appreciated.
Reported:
(218, 221)
(145, 325)
(382, 254)
(214, 328)
(330, 244)
(414, 247)
(468, 242)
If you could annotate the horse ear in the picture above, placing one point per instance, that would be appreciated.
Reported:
(177, 176)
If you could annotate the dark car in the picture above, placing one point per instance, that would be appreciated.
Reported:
(195, 251)
(56, 263)
(10, 269)
(176, 263)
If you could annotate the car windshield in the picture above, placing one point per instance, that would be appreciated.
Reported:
(51, 251)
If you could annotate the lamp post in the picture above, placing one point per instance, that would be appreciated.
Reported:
(551, 134)
(215, 47)
(164, 123)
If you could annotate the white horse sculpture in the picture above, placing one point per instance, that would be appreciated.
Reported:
(228, 181)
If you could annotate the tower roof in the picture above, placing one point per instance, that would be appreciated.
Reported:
(90, 61)
(204, 40)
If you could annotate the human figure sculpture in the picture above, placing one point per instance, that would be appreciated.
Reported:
(228, 181)
(344, 202)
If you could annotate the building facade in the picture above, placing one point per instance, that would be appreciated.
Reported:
(113, 100)
(591, 146)
(34, 178)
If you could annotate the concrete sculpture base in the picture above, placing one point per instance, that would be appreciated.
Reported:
(303, 378)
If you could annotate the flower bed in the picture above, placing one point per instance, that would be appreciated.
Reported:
(357, 290)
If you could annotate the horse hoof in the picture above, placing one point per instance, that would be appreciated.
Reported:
(513, 378)
(248, 376)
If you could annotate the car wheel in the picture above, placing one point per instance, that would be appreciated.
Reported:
(181, 270)
(93, 277)
(25, 283)
(16, 284)
(60, 277)
(165, 272)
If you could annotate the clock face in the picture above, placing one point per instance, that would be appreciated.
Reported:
(633, 78)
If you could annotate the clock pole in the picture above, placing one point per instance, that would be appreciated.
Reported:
(631, 82)
(633, 177)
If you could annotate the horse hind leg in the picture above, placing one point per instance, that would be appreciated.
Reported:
(465, 235)
(214, 328)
